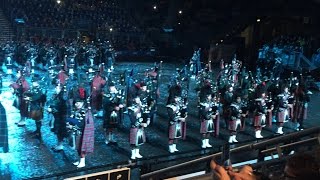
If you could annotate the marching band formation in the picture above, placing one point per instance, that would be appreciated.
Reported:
(92, 90)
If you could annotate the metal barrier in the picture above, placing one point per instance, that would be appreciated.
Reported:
(261, 146)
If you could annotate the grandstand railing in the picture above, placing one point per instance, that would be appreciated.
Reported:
(312, 135)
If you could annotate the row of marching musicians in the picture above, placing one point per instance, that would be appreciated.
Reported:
(80, 120)
(262, 102)
(72, 111)
(31, 101)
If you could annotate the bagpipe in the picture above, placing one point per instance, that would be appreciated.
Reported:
(76, 122)
(115, 99)
(269, 101)
(147, 107)
(211, 108)
(183, 107)
(140, 115)
(75, 125)
(261, 106)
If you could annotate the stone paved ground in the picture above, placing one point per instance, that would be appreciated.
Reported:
(28, 159)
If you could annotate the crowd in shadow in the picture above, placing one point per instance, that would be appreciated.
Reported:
(108, 14)
(284, 48)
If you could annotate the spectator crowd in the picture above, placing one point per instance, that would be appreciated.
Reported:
(100, 14)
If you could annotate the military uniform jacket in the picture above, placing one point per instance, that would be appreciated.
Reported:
(207, 109)
(111, 116)
(77, 118)
(135, 114)
(173, 113)
(235, 111)
(282, 102)
(260, 109)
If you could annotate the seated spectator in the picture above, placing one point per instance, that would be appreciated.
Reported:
(302, 167)
(298, 167)
(222, 173)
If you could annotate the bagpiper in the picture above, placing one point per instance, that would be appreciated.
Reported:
(234, 116)
(84, 124)
(20, 87)
(282, 109)
(209, 117)
(137, 133)
(36, 99)
(177, 129)
(260, 115)
(245, 108)
(112, 105)
(57, 107)
(227, 100)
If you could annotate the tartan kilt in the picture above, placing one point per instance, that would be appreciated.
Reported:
(3, 129)
(280, 116)
(217, 125)
(173, 132)
(269, 118)
(184, 130)
(235, 78)
(134, 139)
(233, 125)
(258, 120)
(87, 139)
(206, 126)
